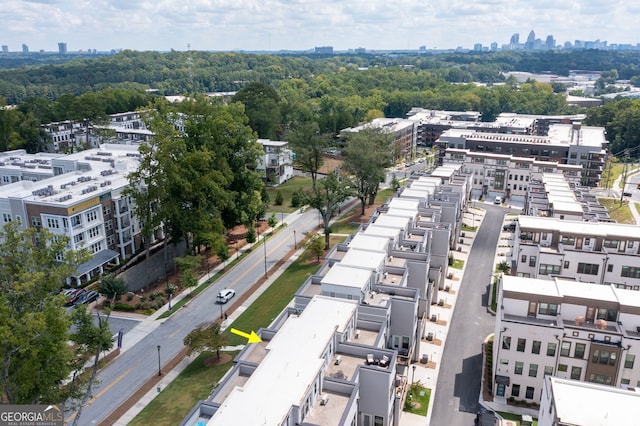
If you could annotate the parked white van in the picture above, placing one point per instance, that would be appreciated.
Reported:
(498, 200)
(225, 295)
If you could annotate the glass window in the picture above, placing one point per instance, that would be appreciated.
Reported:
(625, 381)
(529, 392)
(551, 349)
(378, 421)
(532, 259)
(576, 373)
(546, 269)
(519, 367)
(548, 370)
(533, 370)
(565, 348)
(578, 352)
(521, 345)
(506, 342)
(548, 309)
(535, 347)
(515, 390)
(562, 368)
(523, 258)
(629, 360)
(630, 272)
(588, 268)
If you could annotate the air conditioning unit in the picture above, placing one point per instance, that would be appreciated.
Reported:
(324, 399)
(441, 302)
(338, 360)
(357, 335)
(434, 318)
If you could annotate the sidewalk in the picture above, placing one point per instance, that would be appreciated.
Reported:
(428, 368)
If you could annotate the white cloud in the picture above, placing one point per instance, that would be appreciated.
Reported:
(302, 24)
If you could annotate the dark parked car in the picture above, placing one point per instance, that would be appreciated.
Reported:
(87, 297)
(509, 227)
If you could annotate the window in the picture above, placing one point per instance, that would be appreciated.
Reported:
(587, 268)
(568, 241)
(551, 349)
(35, 221)
(629, 360)
(91, 216)
(625, 381)
(506, 342)
(532, 261)
(565, 348)
(52, 223)
(75, 220)
(523, 258)
(521, 345)
(548, 370)
(611, 244)
(6, 217)
(600, 378)
(578, 352)
(549, 269)
(607, 314)
(630, 272)
(378, 421)
(529, 392)
(94, 232)
(609, 268)
(548, 309)
(562, 368)
(78, 238)
(515, 390)
(535, 347)
(629, 244)
(576, 373)
(518, 368)
(533, 370)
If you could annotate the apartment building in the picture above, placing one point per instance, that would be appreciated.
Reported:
(277, 162)
(17, 165)
(505, 175)
(564, 143)
(403, 134)
(575, 403)
(431, 123)
(83, 200)
(563, 328)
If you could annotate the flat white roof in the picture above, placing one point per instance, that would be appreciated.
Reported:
(389, 221)
(568, 227)
(586, 291)
(408, 213)
(369, 242)
(591, 404)
(404, 204)
(269, 142)
(291, 365)
(363, 259)
(529, 286)
(347, 276)
(415, 193)
(382, 231)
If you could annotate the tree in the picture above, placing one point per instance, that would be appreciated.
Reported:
(189, 266)
(91, 340)
(367, 156)
(504, 267)
(307, 142)
(205, 337)
(222, 251)
(34, 355)
(112, 287)
(327, 200)
(262, 106)
(316, 245)
(279, 198)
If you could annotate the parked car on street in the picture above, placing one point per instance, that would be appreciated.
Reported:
(72, 297)
(509, 227)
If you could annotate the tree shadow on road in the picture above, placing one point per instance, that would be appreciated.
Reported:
(467, 384)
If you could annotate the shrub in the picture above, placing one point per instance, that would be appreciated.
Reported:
(143, 299)
(138, 306)
(250, 236)
(123, 307)
(298, 198)
(273, 221)
(279, 198)
(129, 297)
(451, 260)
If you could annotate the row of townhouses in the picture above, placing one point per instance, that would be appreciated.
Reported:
(339, 354)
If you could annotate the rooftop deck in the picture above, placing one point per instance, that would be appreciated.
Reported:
(346, 369)
(256, 352)
(234, 381)
(329, 413)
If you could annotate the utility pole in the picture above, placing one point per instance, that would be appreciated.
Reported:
(624, 174)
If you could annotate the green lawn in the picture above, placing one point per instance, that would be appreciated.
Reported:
(286, 189)
(270, 303)
(468, 228)
(515, 418)
(494, 294)
(417, 401)
(619, 212)
(457, 264)
(174, 402)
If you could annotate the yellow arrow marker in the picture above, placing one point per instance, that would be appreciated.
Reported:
(253, 337)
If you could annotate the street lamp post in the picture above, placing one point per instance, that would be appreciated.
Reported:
(237, 252)
(166, 275)
(264, 243)
(221, 313)
(413, 374)
(295, 244)
(159, 369)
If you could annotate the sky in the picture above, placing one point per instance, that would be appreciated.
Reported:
(162, 25)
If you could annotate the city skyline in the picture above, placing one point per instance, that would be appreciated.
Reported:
(302, 24)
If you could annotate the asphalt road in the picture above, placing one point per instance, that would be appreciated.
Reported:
(122, 377)
(458, 387)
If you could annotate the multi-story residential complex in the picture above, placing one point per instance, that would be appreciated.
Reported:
(17, 165)
(277, 162)
(403, 134)
(565, 143)
(340, 353)
(431, 123)
(563, 328)
(575, 403)
(84, 200)
(506, 175)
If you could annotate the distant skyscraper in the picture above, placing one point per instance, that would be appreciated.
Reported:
(62, 48)
(550, 43)
(515, 39)
(494, 47)
(324, 50)
(25, 48)
(477, 47)
(532, 37)
(5, 48)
